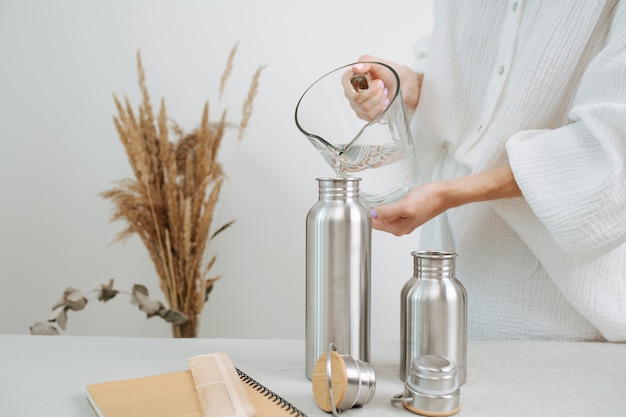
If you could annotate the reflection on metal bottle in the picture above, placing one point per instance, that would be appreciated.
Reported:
(338, 252)
(433, 317)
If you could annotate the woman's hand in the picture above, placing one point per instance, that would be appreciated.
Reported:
(428, 200)
(416, 208)
(369, 103)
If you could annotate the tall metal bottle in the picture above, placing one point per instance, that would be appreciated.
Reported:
(338, 259)
(433, 309)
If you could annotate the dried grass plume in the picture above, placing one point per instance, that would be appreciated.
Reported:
(170, 203)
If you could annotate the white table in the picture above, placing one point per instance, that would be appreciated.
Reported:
(47, 375)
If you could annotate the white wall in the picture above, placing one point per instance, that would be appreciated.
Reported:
(60, 63)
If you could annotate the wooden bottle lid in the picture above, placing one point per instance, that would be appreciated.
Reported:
(338, 380)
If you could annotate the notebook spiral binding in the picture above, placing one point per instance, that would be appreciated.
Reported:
(283, 403)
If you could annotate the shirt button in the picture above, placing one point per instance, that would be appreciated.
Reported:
(515, 6)
(501, 70)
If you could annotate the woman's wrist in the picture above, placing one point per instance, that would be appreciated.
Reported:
(412, 87)
(489, 185)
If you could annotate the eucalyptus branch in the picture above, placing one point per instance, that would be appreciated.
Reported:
(74, 300)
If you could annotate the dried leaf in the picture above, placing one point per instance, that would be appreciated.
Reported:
(141, 289)
(61, 319)
(72, 299)
(106, 291)
(221, 229)
(137, 289)
(148, 305)
(43, 329)
(173, 316)
(209, 287)
(77, 304)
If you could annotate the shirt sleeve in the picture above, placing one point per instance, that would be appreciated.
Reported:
(574, 177)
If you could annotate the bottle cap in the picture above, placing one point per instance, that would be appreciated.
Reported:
(432, 388)
(341, 382)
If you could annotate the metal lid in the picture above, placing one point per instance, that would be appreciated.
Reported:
(341, 382)
(433, 374)
(432, 388)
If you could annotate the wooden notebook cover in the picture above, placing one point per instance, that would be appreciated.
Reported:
(171, 395)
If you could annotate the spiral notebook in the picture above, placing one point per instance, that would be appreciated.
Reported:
(176, 395)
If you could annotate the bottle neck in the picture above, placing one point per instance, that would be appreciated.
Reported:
(433, 264)
(338, 189)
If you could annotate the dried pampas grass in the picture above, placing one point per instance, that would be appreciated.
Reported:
(171, 201)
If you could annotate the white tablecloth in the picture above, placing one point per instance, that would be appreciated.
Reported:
(47, 375)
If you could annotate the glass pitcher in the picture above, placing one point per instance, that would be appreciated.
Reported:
(379, 151)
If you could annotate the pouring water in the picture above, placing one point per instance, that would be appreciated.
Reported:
(379, 151)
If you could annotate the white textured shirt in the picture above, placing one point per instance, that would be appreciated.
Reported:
(540, 85)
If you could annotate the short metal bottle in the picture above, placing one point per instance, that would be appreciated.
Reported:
(338, 259)
(433, 317)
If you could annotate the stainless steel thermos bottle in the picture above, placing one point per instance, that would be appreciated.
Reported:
(433, 309)
(338, 259)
